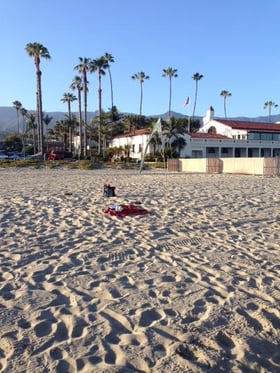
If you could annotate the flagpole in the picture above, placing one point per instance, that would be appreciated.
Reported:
(186, 103)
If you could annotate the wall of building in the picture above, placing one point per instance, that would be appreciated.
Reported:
(220, 128)
(136, 143)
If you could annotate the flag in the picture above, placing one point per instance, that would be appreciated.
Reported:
(187, 101)
(157, 128)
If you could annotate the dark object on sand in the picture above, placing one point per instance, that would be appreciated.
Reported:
(109, 191)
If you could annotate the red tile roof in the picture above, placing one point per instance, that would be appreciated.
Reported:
(250, 126)
(143, 131)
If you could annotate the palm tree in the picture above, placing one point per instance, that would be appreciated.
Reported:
(268, 105)
(23, 113)
(17, 105)
(47, 120)
(169, 73)
(99, 65)
(77, 84)
(225, 95)
(196, 77)
(141, 77)
(179, 143)
(83, 68)
(173, 128)
(36, 51)
(31, 125)
(68, 98)
(109, 58)
(60, 130)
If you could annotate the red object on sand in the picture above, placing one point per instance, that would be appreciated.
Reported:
(126, 210)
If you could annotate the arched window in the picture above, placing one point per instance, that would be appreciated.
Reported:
(212, 130)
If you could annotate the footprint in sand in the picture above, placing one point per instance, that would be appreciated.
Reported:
(6, 351)
(148, 317)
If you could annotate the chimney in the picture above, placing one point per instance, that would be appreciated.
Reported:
(209, 115)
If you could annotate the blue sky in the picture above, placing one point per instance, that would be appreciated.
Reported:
(234, 44)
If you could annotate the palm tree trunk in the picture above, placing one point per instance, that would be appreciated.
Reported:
(170, 94)
(141, 98)
(38, 148)
(225, 108)
(195, 97)
(40, 110)
(85, 113)
(70, 124)
(80, 122)
(111, 87)
(99, 113)
(18, 121)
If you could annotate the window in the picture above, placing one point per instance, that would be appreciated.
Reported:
(211, 150)
(266, 136)
(140, 148)
(253, 136)
(212, 130)
(276, 137)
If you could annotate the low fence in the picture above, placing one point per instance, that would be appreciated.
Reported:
(250, 166)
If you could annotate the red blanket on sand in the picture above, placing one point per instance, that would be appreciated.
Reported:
(126, 210)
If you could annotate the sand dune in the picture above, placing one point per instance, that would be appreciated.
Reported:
(193, 286)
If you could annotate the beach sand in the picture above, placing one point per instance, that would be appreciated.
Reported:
(193, 286)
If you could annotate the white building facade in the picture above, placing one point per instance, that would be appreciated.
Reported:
(217, 138)
(136, 141)
(231, 138)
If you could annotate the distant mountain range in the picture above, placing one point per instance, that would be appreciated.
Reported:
(8, 118)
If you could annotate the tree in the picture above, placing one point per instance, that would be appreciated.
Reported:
(60, 130)
(172, 129)
(141, 77)
(31, 126)
(268, 105)
(68, 98)
(47, 120)
(77, 84)
(36, 51)
(83, 68)
(170, 73)
(178, 144)
(23, 113)
(17, 105)
(196, 77)
(99, 65)
(225, 95)
(109, 58)
(13, 143)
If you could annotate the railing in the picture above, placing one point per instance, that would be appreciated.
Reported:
(234, 142)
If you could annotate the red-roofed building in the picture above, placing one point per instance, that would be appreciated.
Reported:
(217, 138)
(221, 138)
(136, 142)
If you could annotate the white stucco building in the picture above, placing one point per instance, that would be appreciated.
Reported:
(232, 138)
(217, 138)
(136, 140)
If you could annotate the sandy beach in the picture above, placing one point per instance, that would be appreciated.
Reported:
(192, 286)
